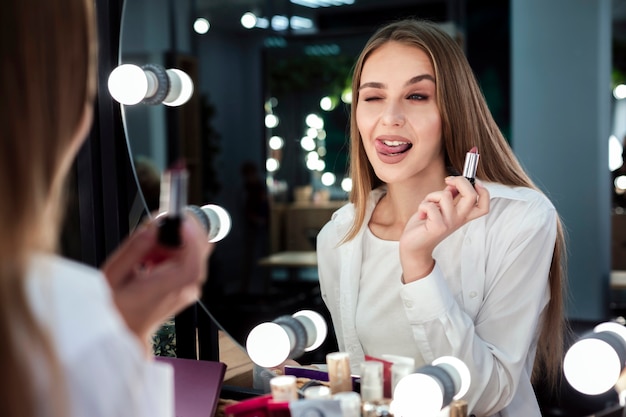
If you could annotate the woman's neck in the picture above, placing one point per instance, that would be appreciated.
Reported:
(399, 203)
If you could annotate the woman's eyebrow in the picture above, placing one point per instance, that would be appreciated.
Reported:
(419, 78)
(372, 84)
(414, 80)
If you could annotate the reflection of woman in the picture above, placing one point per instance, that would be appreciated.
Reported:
(74, 342)
(422, 264)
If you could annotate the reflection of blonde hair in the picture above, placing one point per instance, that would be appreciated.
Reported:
(149, 179)
(466, 122)
(47, 80)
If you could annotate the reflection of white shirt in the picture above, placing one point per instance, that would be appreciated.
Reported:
(107, 373)
(481, 303)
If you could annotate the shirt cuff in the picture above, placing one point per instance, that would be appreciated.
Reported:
(427, 298)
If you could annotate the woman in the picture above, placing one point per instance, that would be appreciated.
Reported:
(74, 342)
(422, 264)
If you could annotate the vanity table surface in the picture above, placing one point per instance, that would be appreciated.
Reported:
(238, 364)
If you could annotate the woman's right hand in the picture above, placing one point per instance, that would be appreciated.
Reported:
(148, 292)
(439, 215)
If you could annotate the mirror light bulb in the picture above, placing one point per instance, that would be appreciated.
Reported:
(215, 219)
(128, 84)
(417, 395)
(593, 364)
(268, 345)
(151, 84)
(287, 337)
(316, 327)
(181, 88)
(432, 387)
(456, 365)
(219, 222)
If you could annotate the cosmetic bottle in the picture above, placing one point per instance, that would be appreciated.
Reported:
(381, 408)
(339, 375)
(283, 388)
(350, 403)
(371, 381)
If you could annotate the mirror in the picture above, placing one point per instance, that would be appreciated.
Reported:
(241, 76)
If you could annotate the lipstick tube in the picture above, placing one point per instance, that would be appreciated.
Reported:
(173, 199)
(471, 165)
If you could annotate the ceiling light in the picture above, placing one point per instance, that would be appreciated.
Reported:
(280, 22)
(201, 26)
(322, 3)
(248, 20)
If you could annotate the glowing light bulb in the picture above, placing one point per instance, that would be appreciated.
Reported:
(201, 25)
(287, 337)
(268, 344)
(417, 395)
(181, 88)
(150, 84)
(459, 372)
(316, 328)
(215, 219)
(431, 388)
(593, 364)
(128, 84)
(248, 20)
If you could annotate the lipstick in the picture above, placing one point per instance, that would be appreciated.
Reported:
(173, 200)
(471, 164)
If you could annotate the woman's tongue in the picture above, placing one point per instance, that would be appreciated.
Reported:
(392, 147)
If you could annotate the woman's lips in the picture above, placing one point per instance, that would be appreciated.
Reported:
(391, 147)
(392, 151)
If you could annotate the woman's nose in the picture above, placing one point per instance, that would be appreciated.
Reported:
(393, 115)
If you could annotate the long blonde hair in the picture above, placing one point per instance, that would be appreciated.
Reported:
(466, 121)
(47, 80)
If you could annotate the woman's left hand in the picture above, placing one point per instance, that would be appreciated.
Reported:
(150, 282)
(440, 214)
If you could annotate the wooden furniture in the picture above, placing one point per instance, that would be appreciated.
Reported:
(295, 225)
(238, 364)
(290, 259)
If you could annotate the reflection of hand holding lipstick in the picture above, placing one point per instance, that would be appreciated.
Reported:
(471, 164)
(172, 204)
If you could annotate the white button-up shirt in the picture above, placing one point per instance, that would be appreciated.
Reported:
(482, 303)
(105, 366)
